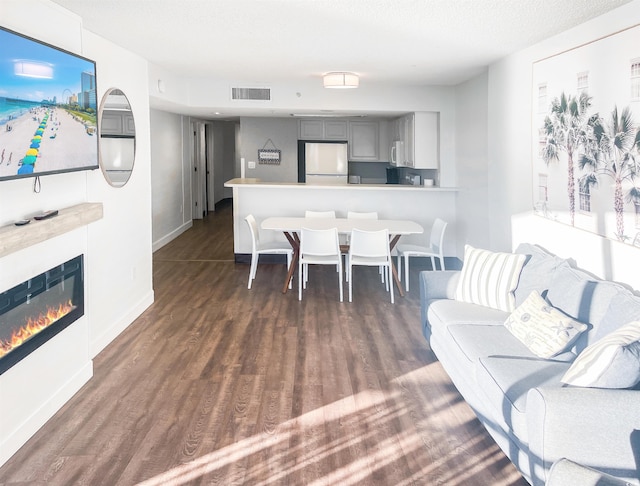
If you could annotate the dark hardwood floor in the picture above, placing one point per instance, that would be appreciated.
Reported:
(217, 384)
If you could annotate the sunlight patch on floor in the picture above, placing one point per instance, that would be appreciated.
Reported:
(364, 440)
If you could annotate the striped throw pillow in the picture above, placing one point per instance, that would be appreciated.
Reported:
(489, 278)
(611, 362)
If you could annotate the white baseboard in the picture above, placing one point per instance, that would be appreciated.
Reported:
(103, 340)
(10, 444)
(171, 236)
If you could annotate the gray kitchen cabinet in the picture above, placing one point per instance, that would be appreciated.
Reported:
(364, 142)
(370, 140)
(395, 130)
(128, 124)
(323, 130)
(426, 140)
(115, 122)
(311, 130)
(407, 126)
(420, 133)
(384, 138)
(335, 130)
(402, 131)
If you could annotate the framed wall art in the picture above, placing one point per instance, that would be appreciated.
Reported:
(586, 138)
(269, 155)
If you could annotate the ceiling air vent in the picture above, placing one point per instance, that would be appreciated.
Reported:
(252, 94)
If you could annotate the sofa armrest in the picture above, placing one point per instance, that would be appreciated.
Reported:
(568, 473)
(594, 427)
(436, 285)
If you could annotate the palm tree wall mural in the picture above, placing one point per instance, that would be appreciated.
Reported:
(613, 152)
(586, 137)
(565, 130)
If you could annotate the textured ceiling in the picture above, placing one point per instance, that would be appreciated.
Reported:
(412, 42)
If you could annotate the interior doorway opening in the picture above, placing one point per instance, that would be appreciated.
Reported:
(214, 162)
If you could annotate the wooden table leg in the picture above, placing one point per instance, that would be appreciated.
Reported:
(294, 241)
(392, 243)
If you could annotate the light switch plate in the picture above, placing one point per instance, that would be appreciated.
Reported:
(252, 164)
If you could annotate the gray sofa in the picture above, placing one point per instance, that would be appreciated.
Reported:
(534, 417)
(568, 473)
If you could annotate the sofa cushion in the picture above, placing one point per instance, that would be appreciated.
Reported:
(582, 297)
(624, 307)
(447, 312)
(488, 278)
(544, 330)
(475, 341)
(569, 473)
(612, 362)
(537, 271)
(505, 382)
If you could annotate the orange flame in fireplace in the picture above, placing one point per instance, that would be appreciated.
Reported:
(33, 326)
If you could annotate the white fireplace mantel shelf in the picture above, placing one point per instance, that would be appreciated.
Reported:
(14, 238)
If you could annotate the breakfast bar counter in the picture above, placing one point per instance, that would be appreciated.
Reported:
(360, 187)
(391, 201)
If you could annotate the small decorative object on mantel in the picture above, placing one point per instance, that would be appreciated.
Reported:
(269, 156)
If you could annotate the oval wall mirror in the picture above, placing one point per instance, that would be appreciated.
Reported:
(117, 137)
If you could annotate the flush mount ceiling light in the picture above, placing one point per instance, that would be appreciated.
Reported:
(341, 80)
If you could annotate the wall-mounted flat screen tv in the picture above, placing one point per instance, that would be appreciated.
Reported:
(48, 109)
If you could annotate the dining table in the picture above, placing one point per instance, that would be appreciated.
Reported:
(291, 226)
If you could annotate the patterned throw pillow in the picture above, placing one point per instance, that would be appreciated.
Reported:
(488, 278)
(542, 328)
(611, 362)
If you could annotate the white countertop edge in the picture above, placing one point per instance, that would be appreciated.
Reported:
(298, 185)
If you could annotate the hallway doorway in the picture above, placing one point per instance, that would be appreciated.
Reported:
(214, 162)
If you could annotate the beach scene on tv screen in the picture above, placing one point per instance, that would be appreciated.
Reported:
(47, 109)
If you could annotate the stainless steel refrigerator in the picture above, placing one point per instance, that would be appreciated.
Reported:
(326, 163)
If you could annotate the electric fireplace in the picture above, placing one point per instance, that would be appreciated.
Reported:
(35, 311)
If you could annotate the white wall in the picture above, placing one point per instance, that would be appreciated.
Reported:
(509, 148)
(472, 164)
(170, 176)
(118, 265)
(120, 244)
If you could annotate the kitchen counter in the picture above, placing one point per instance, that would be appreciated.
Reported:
(391, 201)
(378, 187)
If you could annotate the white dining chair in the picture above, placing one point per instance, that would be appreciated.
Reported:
(319, 214)
(344, 245)
(433, 251)
(362, 215)
(318, 247)
(264, 248)
(369, 248)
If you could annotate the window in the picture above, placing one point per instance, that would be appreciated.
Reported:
(635, 79)
(583, 82)
(542, 140)
(542, 98)
(543, 193)
(585, 194)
